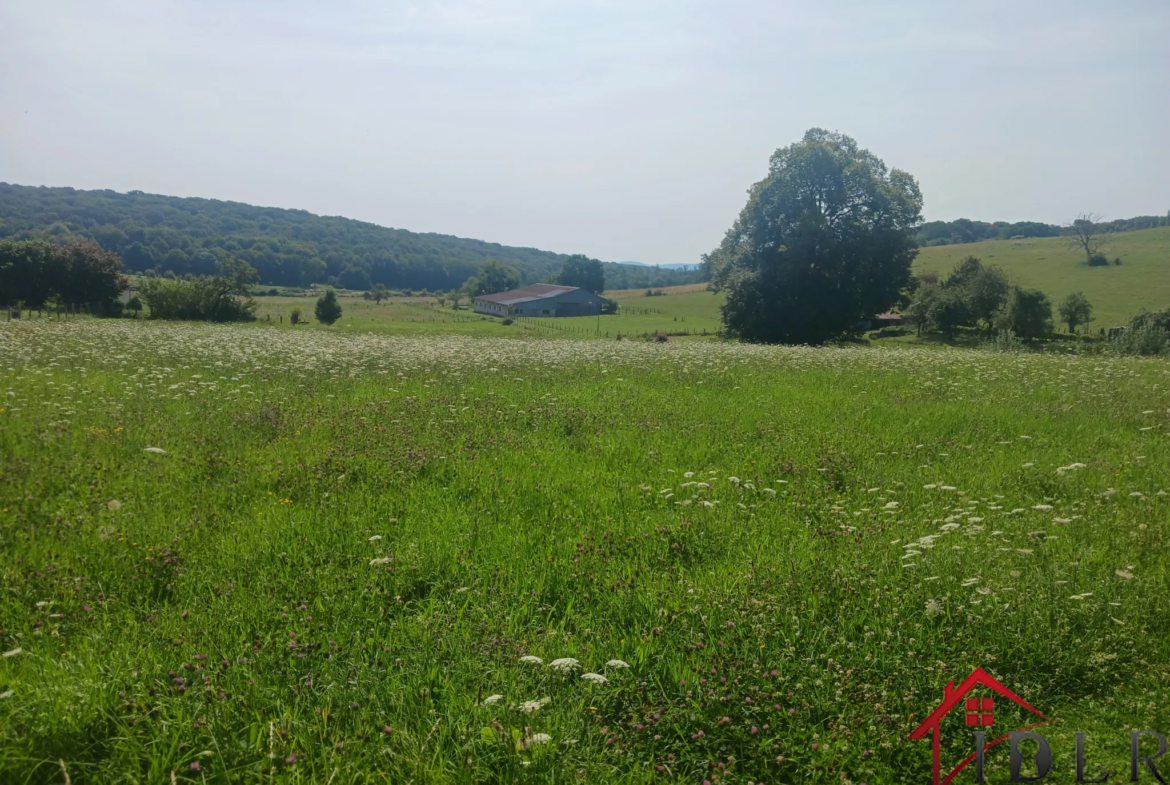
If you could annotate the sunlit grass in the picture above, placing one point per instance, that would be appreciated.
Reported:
(352, 539)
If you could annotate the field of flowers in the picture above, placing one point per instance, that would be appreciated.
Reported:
(246, 554)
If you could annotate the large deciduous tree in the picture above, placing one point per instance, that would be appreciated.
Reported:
(1028, 313)
(1075, 310)
(825, 240)
(34, 271)
(580, 270)
(1086, 234)
(88, 274)
(493, 277)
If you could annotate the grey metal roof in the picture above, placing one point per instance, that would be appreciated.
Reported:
(536, 291)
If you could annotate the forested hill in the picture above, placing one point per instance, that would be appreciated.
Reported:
(287, 247)
(964, 230)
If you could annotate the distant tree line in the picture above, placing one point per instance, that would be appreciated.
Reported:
(35, 274)
(285, 247)
(964, 230)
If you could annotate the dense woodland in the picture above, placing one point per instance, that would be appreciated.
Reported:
(286, 247)
(964, 230)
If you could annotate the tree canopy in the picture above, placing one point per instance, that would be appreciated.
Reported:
(35, 271)
(825, 240)
(493, 277)
(580, 270)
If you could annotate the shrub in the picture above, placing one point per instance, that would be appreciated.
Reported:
(660, 338)
(1148, 339)
(507, 322)
(1098, 260)
(1006, 341)
(221, 298)
(328, 310)
(295, 317)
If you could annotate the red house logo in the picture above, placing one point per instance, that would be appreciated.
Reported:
(979, 712)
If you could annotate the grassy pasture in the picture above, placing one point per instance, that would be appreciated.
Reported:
(677, 314)
(353, 539)
(1051, 265)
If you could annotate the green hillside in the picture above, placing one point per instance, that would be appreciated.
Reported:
(1142, 280)
(287, 247)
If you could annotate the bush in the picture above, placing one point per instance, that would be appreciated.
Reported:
(507, 322)
(1006, 341)
(1147, 340)
(295, 317)
(328, 310)
(222, 298)
(1098, 260)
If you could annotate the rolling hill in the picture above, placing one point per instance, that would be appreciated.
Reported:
(1117, 292)
(287, 247)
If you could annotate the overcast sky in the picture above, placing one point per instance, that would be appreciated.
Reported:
(624, 129)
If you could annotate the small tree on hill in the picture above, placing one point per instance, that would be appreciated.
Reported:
(1085, 234)
(328, 310)
(378, 293)
(1075, 310)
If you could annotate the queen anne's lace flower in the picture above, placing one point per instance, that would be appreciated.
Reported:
(492, 700)
(596, 678)
(531, 658)
(565, 665)
(531, 707)
(617, 664)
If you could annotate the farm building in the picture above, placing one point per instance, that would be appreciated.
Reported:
(881, 320)
(540, 299)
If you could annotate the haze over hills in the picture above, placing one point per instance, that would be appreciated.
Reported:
(287, 247)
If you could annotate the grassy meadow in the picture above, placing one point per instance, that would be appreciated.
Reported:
(683, 311)
(261, 555)
(1051, 265)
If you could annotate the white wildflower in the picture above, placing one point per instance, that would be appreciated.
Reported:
(375, 538)
(114, 505)
(1042, 507)
(733, 479)
(531, 707)
(617, 664)
(155, 450)
(1119, 573)
(565, 665)
(596, 678)
(382, 560)
(492, 700)
(1072, 467)
(5, 695)
(934, 608)
(12, 653)
(537, 738)
(531, 658)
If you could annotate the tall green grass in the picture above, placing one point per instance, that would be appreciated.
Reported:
(351, 540)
